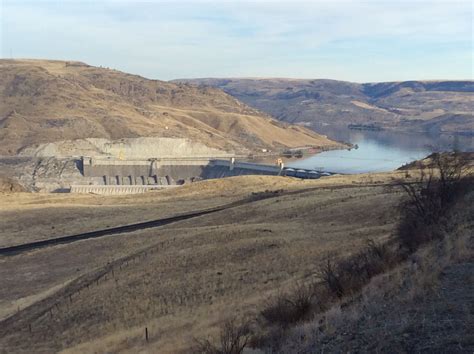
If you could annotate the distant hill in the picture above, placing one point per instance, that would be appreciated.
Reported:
(48, 101)
(435, 106)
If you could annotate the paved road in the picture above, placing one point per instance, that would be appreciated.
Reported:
(13, 250)
(17, 249)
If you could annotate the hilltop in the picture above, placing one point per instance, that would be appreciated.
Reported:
(422, 106)
(46, 101)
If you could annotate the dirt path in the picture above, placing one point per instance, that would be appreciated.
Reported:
(17, 249)
(14, 250)
(171, 278)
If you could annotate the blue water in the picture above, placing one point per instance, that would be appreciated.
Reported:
(379, 151)
(369, 157)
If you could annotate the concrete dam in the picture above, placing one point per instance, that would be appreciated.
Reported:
(115, 176)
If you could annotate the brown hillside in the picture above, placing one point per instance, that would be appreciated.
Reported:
(410, 106)
(180, 281)
(47, 101)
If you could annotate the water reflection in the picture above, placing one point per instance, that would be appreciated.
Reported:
(379, 151)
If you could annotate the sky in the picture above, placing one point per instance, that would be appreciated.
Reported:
(360, 41)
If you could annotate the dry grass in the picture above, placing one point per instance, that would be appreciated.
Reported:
(431, 288)
(26, 217)
(423, 305)
(182, 281)
(8, 185)
(46, 101)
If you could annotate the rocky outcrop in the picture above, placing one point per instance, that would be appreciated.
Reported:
(8, 185)
(131, 148)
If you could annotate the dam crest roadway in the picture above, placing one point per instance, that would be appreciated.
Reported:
(115, 176)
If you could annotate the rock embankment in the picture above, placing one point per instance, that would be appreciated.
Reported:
(8, 185)
(130, 148)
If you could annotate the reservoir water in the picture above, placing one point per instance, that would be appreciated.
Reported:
(379, 151)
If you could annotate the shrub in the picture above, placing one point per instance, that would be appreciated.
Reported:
(377, 258)
(348, 275)
(298, 154)
(331, 278)
(289, 309)
(232, 340)
(441, 183)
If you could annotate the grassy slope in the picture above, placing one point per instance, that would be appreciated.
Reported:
(422, 305)
(188, 277)
(46, 101)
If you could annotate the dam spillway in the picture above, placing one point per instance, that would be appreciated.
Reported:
(115, 176)
(114, 190)
(57, 175)
(168, 171)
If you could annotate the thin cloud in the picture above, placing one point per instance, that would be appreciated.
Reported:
(167, 40)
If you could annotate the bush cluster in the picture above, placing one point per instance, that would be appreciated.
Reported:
(442, 182)
(425, 211)
(233, 339)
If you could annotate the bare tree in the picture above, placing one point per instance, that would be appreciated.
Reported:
(442, 180)
(232, 340)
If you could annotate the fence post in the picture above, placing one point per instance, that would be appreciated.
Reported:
(146, 334)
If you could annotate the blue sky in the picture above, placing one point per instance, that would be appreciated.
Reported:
(362, 41)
